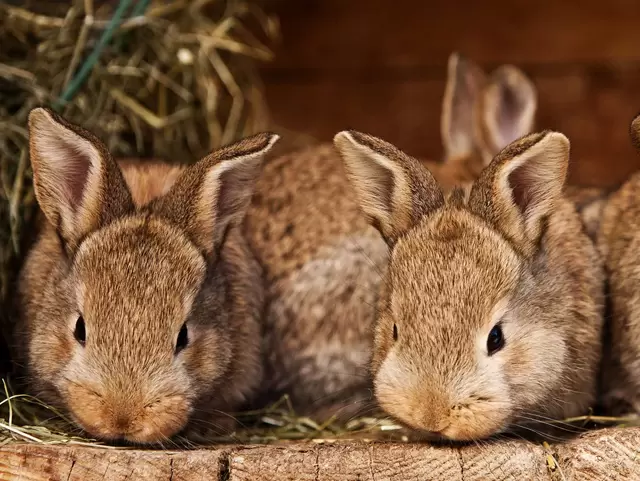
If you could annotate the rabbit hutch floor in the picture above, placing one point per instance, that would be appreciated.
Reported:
(610, 453)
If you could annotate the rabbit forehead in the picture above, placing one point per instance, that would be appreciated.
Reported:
(452, 265)
(138, 264)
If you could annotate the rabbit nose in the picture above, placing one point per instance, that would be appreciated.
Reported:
(122, 422)
(434, 415)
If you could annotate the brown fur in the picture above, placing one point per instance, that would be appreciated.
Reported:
(589, 202)
(138, 260)
(619, 242)
(322, 261)
(510, 251)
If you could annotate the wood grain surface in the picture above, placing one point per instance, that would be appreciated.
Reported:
(606, 454)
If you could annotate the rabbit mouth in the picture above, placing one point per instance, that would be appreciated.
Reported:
(142, 436)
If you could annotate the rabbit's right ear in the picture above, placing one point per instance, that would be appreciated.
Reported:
(215, 193)
(465, 80)
(394, 190)
(77, 184)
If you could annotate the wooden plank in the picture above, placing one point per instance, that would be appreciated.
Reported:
(33, 462)
(377, 34)
(606, 454)
(355, 461)
(503, 460)
(592, 106)
(615, 455)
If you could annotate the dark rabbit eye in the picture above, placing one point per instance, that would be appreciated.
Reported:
(395, 332)
(495, 341)
(183, 338)
(79, 332)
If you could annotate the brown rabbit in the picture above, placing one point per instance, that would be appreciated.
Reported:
(618, 241)
(491, 310)
(323, 263)
(140, 304)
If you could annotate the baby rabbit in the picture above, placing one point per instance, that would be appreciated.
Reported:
(618, 241)
(323, 263)
(491, 309)
(140, 304)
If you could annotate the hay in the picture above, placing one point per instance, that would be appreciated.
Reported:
(169, 79)
(24, 418)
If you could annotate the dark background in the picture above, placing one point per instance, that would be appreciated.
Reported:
(379, 66)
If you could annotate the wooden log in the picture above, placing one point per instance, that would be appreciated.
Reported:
(605, 454)
(614, 454)
(36, 462)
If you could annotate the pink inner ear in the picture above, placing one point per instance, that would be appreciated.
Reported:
(76, 172)
(520, 184)
(510, 112)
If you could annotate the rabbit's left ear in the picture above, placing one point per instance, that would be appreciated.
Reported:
(506, 110)
(215, 192)
(522, 186)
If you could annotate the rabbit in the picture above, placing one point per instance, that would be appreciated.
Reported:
(618, 240)
(140, 302)
(323, 263)
(491, 310)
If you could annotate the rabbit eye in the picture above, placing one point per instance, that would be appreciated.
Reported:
(495, 341)
(79, 332)
(183, 338)
(395, 332)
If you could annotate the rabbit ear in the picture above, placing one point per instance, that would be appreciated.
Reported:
(521, 187)
(464, 83)
(393, 189)
(215, 193)
(634, 131)
(507, 110)
(77, 184)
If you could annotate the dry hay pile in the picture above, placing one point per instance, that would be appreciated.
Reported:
(170, 79)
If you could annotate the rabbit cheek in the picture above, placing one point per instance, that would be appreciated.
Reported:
(533, 366)
(160, 420)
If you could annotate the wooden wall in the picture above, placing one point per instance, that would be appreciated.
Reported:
(379, 66)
